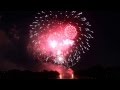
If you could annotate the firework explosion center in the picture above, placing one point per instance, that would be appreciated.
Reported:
(59, 37)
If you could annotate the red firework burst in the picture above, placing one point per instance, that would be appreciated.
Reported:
(59, 37)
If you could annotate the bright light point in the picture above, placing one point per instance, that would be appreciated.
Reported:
(71, 42)
(58, 52)
(60, 58)
(68, 42)
(60, 76)
(53, 44)
(72, 76)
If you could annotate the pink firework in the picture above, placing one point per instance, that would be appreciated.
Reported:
(59, 37)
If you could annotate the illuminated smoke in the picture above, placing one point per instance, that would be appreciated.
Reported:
(64, 73)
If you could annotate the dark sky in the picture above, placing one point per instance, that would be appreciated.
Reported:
(108, 37)
(105, 48)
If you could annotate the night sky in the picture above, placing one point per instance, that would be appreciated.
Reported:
(14, 28)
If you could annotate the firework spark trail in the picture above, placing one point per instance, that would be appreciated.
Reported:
(59, 37)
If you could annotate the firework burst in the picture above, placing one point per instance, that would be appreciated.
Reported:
(59, 37)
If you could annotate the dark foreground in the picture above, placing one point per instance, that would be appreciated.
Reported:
(92, 73)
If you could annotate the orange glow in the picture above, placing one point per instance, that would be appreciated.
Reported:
(60, 76)
(64, 77)
(72, 76)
